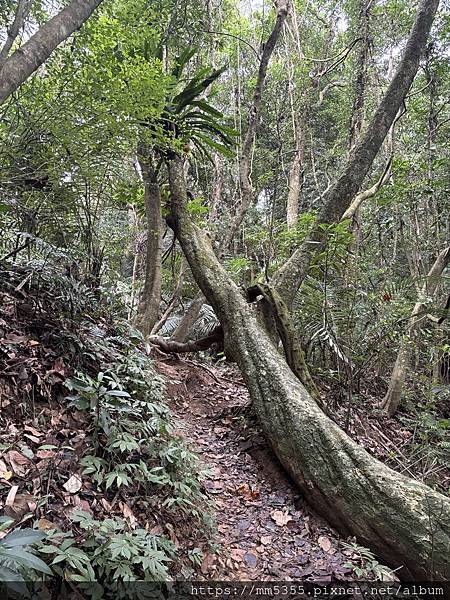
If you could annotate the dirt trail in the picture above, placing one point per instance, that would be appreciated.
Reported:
(264, 529)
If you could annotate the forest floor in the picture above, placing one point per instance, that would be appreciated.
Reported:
(264, 530)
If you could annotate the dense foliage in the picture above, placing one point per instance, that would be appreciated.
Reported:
(154, 78)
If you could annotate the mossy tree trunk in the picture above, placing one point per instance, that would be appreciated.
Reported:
(148, 309)
(405, 522)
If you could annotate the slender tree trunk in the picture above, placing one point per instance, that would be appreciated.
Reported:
(193, 312)
(244, 167)
(295, 176)
(392, 399)
(23, 62)
(188, 320)
(337, 199)
(405, 522)
(246, 188)
(357, 119)
(360, 82)
(171, 305)
(23, 7)
(148, 309)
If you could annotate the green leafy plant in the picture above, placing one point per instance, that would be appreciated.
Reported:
(188, 118)
(108, 555)
(364, 564)
(135, 445)
(18, 560)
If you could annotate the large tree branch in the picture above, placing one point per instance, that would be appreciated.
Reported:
(171, 346)
(353, 490)
(26, 59)
(369, 192)
(337, 199)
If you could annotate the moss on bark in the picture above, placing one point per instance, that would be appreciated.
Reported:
(405, 522)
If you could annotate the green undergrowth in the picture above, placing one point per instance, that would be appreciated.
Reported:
(129, 505)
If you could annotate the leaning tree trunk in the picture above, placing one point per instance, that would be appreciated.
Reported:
(25, 60)
(148, 309)
(393, 396)
(188, 320)
(404, 521)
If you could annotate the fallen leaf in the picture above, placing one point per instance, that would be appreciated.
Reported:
(157, 530)
(281, 518)
(248, 492)
(59, 366)
(46, 525)
(266, 540)
(33, 438)
(19, 505)
(45, 453)
(237, 554)
(324, 543)
(106, 505)
(128, 514)
(19, 463)
(11, 495)
(12, 338)
(208, 563)
(32, 430)
(73, 484)
(4, 473)
(82, 504)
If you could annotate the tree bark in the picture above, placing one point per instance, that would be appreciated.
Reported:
(369, 192)
(191, 315)
(405, 522)
(357, 117)
(337, 199)
(148, 309)
(24, 61)
(393, 396)
(188, 320)
(295, 176)
(169, 346)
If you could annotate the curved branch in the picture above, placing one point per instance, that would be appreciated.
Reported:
(369, 193)
(170, 346)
